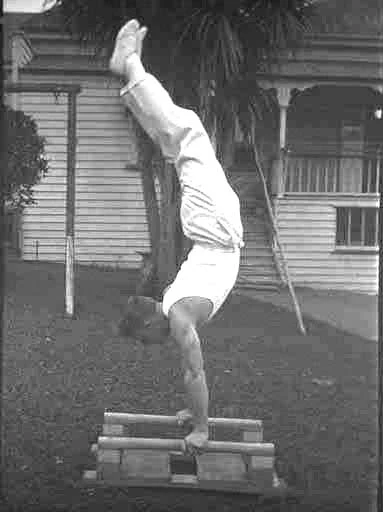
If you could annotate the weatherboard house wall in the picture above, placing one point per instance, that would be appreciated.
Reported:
(110, 222)
(344, 73)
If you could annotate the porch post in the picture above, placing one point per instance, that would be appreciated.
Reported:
(14, 72)
(283, 96)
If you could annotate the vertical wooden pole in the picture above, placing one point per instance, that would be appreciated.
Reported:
(380, 335)
(2, 246)
(283, 96)
(70, 206)
(282, 125)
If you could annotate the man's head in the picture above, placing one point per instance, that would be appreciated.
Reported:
(144, 320)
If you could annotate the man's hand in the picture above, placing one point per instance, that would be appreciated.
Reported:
(184, 417)
(196, 441)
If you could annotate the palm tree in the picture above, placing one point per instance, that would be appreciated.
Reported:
(203, 51)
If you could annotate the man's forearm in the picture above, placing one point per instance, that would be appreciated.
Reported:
(197, 398)
(195, 379)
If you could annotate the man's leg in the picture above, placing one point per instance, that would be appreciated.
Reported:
(185, 316)
(178, 131)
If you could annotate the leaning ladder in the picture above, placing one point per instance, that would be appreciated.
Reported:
(281, 260)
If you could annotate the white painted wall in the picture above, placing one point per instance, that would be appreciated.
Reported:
(307, 227)
(110, 216)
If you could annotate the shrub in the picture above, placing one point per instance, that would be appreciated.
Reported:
(24, 162)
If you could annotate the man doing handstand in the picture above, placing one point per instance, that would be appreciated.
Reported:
(210, 217)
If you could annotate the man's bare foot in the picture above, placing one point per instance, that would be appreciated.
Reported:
(126, 45)
(140, 39)
(196, 441)
(184, 417)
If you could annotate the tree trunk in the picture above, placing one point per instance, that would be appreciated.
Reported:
(147, 283)
(167, 250)
(168, 243)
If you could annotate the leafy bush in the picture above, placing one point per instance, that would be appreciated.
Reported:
(25, 162)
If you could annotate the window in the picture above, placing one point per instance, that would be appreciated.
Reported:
(356, 227)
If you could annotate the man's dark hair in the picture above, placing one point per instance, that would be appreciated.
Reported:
(138, 310)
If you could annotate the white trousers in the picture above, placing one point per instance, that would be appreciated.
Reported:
(210, 212)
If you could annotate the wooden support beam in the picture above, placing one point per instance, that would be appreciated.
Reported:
(252, 436)
(115, 418)
(56, 88)
(113, 430)
(128, 443)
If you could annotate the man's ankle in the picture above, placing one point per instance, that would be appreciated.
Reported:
(133, 69)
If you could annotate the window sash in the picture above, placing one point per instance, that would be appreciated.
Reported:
(357, 227)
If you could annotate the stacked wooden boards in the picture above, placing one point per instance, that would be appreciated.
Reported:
(124, 460)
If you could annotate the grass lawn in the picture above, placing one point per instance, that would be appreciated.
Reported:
(316, 395)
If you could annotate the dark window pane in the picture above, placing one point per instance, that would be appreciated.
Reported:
(373, 185)
(369, 176)
(370, 229)
(305, 169)
(312, 178)
(331, 176)
(295, 180)
(322, 176)
(356, 226)
(341, 226)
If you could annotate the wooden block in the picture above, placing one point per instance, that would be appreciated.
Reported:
(145, 463)
(108, 463)
(90, 476)
(262, 478)
(221, 466)
(261, 462)
(113, 430)
(253, 436)
(260, 470)
(182, 464)
(184, 479)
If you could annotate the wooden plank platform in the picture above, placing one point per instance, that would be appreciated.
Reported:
(245, 466)
(277, 490)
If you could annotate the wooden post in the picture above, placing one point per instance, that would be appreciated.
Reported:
(283, 95)
(71, 91)
(70, 207)
(3, 292)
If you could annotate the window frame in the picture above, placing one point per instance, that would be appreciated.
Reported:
(362, 249)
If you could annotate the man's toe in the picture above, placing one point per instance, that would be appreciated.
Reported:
(130, 28)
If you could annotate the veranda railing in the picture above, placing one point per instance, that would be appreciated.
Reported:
(331, 174)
